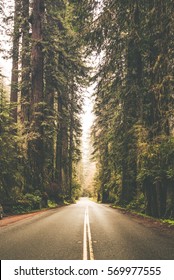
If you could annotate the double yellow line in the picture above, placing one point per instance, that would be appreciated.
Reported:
(87, 240)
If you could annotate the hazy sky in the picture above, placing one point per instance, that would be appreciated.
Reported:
(5, 64)
(87, 121)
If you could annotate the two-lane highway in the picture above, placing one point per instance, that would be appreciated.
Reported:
(85, 230)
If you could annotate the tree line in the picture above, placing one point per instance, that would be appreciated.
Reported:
(133, 134)
(40, 127)
(133, 138)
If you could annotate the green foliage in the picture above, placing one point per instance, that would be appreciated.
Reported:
(41, 149)
(170, 222)
(51, 204)
(18, 202)
(156, 159)
(10, 167)
(76, 189)
(133, 129)
(138, 204)
(64, 75)
(27, 203)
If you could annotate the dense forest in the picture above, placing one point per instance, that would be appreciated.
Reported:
(133, 132)
(40, 128)
(131, 45)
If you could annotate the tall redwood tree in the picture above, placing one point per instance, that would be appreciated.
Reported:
(37, 96)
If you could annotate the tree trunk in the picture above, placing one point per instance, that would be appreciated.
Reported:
(151, 199)
(71, 146)
(158, 98)
(65, 165)
(132, 110)
(58, 171)
(105, 176)
(25, 93)
(15, 60)
(49, 135)
(62, 174)
(161, 189)
(36, 153)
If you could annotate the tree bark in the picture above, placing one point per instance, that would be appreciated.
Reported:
(25, 92)
(36, 152)
(58, 171)
(15, 60)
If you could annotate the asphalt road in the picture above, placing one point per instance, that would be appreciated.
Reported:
(85, 230)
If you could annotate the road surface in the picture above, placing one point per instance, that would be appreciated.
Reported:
(85, 230)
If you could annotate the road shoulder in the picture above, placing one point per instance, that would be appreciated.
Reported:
(15, 218)
(156, 224)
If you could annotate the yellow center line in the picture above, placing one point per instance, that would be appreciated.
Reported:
(87, 239)
(85, 251)
(91, 252)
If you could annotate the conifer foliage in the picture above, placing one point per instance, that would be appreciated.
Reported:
(133, 136)
(133, 131)
(43, 119)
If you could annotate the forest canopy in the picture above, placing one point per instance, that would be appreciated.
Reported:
(40, 127)
(40, 124)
